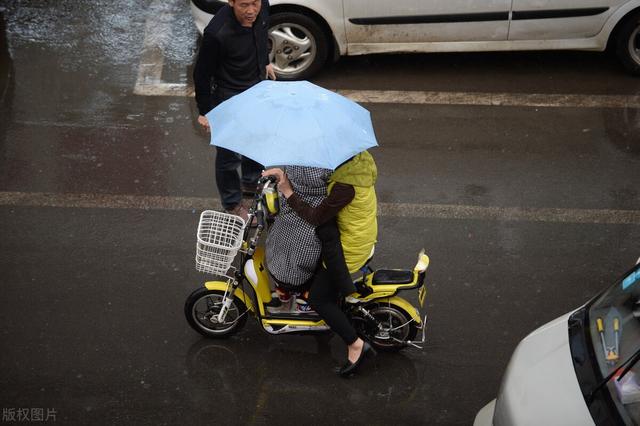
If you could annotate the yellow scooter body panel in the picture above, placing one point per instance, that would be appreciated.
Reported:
(241, 295)
(383, 289)
(399, 302)
(223, 285)
(261, 287)
(295, 322)
(260, 265)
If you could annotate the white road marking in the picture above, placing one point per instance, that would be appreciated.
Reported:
(493, 99)
(533, 100)
(420, 211)
(163, 89)
(157, 31)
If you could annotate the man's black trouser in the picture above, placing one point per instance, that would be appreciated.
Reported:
(227, 163)
(332, 282)
(227, 178)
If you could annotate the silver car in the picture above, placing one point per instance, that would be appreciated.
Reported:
(305, 33)
(580, 369)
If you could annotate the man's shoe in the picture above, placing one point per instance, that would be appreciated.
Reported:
(351, 367)
(242, 212)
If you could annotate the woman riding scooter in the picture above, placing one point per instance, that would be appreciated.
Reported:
(351, 202)
(235, 254)
(292, 247)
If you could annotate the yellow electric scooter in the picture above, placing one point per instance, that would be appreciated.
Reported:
(230, 249)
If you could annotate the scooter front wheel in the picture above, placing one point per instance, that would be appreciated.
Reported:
(202, 308)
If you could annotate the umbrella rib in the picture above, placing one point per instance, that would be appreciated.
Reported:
(277, 136)
(325, 146)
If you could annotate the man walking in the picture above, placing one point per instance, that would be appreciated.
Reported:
(233, 57)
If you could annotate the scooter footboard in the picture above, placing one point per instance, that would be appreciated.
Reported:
(224, 286)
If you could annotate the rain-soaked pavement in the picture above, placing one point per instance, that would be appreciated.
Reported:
(526, 213)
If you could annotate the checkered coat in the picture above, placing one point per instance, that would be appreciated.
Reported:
(293, 249)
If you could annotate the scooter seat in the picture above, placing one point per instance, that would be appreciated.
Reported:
(392, 276)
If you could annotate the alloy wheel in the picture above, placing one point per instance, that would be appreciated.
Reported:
(293, 48)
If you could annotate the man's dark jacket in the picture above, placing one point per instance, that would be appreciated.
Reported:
(232, 58)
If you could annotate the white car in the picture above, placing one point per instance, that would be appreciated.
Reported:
(571, 371)
(304, 33)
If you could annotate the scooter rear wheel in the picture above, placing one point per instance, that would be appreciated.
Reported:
(202, 308)
(397, 327)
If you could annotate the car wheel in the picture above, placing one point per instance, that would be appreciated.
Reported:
(298, 46)
(628, 44)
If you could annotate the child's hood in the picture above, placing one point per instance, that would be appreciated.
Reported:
(359, 171)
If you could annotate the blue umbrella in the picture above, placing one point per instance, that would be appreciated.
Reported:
(292, 123)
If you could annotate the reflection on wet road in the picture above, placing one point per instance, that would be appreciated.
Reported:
(276, 379)
(527, 209)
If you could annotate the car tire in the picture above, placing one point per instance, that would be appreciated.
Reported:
(298, 46)
(628, 43)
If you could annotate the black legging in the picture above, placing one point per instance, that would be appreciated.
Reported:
(332, 282)
(323, 298)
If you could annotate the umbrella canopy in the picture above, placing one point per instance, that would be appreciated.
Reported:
(292, 123)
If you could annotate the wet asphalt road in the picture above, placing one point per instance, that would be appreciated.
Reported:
(91, 322)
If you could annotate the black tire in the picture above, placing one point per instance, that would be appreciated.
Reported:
(297, 30)
(203, 304)
(628, 43)
(390, 316)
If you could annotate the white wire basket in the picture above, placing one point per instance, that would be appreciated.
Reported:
(219, 239)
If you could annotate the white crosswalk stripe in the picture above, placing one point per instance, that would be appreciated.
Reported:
(425, 211)
(532, 100)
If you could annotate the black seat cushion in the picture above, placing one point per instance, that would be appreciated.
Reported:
(392, 276)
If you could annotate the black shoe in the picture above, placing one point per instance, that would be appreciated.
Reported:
(350, 367)
(273, 303)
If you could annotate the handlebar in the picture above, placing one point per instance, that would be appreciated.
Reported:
(257, 210)
(264, 179)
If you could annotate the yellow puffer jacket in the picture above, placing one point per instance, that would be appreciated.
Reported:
(357, 220)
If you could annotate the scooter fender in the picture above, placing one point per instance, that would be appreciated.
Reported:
(223, 285)
(404, 305)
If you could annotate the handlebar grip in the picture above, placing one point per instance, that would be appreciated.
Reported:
(600, 325)
(616, 323)
(270, 178)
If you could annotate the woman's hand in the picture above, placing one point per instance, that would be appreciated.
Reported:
(284, 185)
